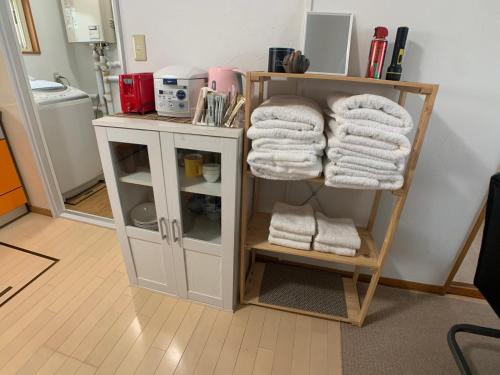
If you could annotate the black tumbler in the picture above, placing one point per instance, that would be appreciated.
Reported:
(276, 56)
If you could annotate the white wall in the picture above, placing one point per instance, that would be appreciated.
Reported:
(452, 45)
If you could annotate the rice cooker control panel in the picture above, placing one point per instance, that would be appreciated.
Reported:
(172, 98)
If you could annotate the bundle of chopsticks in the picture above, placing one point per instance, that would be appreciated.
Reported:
(217, 109)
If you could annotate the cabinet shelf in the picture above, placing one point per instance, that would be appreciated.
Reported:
(258, 232)
(204, 229)
(198, 185)
(137, 178)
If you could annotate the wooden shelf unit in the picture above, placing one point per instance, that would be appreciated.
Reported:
(255, 225)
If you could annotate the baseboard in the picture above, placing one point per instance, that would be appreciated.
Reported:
(464, 289)
(386, 281)
(40, 210)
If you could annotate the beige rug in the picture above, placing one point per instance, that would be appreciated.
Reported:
(405, 333)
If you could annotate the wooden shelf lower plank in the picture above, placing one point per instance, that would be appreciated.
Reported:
(253, 287)
(258, 232)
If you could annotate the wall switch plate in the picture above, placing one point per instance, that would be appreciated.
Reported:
(139, 42)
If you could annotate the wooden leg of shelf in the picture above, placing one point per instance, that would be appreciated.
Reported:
(255, 200)
(355, 275)
(374, 210)
(368, 298)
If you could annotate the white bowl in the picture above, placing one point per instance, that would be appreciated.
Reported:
(144, 214)
(211, 172)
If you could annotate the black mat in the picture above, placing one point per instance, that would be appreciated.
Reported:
(304, 289)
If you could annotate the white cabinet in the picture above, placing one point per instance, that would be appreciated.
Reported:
(189, 248)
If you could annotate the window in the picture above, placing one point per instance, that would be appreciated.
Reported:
(25, 27)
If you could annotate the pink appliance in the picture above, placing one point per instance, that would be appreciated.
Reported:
(224, 79)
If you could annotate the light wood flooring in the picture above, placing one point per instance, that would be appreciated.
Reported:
(82, 317)
(96, 204)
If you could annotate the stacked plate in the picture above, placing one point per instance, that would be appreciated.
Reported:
(144, 216)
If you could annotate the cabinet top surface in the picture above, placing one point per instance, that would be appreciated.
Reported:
(138, 123)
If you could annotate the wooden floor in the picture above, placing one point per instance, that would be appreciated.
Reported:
(96, 204)
(82, 317)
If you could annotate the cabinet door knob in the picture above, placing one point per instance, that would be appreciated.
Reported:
(163, 228)
(174, 226)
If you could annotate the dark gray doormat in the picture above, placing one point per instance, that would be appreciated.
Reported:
(303, 288)
(405, 333)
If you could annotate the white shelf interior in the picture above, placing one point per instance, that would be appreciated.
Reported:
(138, 178)
(204, 229)
(199, 185)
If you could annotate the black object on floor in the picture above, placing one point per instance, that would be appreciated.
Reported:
(487, 278)
(304, 289)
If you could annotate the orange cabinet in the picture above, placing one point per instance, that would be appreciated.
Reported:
(11, 191)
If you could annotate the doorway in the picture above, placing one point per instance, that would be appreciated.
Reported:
(72, 56)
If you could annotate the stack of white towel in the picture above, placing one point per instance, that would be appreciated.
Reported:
(298, 226)
(367, 143)
(292, 226)
(287, 139)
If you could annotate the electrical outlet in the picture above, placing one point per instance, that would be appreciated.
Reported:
(139, 42)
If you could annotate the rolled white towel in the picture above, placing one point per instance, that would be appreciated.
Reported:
(350, 132)
(336, 176)
(340, 232)
(299, 159)
(276, 233)
(288, 112)
(318, 246)
(296, 219)
(286, 144)
(368, 162)
(371, 107)
(274, 172)
(289, 243)
(306, 136)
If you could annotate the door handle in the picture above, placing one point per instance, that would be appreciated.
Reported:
(174, 226)
(163, 228)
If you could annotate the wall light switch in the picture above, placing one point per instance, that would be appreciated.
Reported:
(139, 42)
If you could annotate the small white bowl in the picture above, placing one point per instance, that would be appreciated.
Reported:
(144, 213)
(211, 172)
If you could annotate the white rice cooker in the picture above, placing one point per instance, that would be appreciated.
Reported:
(177, 88)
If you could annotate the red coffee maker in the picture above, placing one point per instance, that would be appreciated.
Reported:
(137, 92)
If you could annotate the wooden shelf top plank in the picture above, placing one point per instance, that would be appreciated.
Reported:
(258, 232)
(417, 87)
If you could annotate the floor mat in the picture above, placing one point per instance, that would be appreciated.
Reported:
(19, 268)
(303, 288)
(405, 333)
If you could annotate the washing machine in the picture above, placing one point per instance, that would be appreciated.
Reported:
(66, 117)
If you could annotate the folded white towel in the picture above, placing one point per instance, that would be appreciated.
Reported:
(285, 144)
(288, 112)
(306, 136)
(289, 243)
(372, 163)
(371, 107)
(340, 232)
(350, 132)
(286, 174)
(276, 233)
(299, 159)
(318, 246)
(295, 219)
(335, 145)
(356, 179)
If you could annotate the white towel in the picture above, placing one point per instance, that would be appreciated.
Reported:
(288, 112)
(361, 161)
(339, 232)
(371, 107)
(299, 159)
(306, 136)
(276, 233)
(296, 219)
(289, 243)
(335, 145)
(350, 132)
(275, 172)
(336, 176)
(318, 246)
(285, 144)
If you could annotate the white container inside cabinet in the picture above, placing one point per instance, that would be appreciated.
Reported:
(186, 249)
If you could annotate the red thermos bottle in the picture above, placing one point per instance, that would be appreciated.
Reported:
(377, 53)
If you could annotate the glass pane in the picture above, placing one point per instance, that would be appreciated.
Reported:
(134, 185)
(200, 185)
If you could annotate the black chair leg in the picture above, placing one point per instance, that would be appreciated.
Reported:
(455, 349)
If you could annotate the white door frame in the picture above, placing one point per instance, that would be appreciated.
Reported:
(31, 120)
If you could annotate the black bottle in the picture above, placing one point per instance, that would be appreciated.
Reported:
(395, 69)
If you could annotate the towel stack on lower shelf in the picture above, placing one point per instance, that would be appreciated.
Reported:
(367, 145)
(298, 226)
(292, 226)
(287, 138)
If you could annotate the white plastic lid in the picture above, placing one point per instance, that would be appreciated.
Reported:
(181, 72)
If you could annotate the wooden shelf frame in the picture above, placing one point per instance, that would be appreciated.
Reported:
(253, 231)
